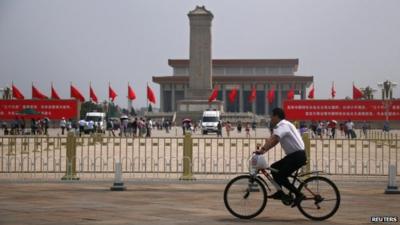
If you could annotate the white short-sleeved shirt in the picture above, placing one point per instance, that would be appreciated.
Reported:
(349, 125)
(289, 137)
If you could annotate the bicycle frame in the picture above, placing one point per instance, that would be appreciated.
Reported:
(295, 177)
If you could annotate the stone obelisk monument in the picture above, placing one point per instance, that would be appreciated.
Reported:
(200, 65)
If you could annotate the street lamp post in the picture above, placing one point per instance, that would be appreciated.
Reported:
(387, 95)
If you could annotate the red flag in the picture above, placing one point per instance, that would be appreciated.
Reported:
(17, 93)
(150, 95)
(214, 94)
(333, 91)
(252, 95)
(311, 93)
(93, 95)
(271, 95)
(357, 93)
(36, 93)
(131, 93)
(75, 93)
(290, 94)
(111, 93)
(232, 95)
(54, 94)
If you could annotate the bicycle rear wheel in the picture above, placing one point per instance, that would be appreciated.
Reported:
(322, 198)
(245, 197)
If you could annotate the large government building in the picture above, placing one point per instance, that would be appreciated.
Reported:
(242, 74)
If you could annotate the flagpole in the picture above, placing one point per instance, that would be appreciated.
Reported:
(32, 89)
(147, 95)
(129, 100)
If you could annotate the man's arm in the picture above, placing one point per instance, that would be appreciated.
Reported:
(269, 143)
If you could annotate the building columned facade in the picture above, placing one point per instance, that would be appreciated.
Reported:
(240, 74)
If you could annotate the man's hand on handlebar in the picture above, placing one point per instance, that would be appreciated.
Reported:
(260, 150)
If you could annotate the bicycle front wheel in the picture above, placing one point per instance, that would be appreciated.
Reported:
(245, 197)
(322, 198)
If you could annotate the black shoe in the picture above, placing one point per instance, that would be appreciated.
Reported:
(277, 195)
(297, 200)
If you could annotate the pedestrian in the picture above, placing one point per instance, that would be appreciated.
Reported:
(90, 126)
(319, 129)
(69, 125)
(82, 125)
(254, 125)
(239, 126)
(365, 128)
(46, 124)
(5, 128)
(228, 128)
(125, 126)
(219, 129)
(148, 128)
(110, 127)
(350, 132)
(386, 127)
(167, 126)
(247, 129)
(332, 127)
(313, 128)
(135, 127)
(63, 124)
(33, 126)
(183, 128)
(141, 127)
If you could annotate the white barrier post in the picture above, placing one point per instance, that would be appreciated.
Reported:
(392, 186)
(118, 183)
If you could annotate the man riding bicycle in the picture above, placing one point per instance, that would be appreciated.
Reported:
(285, 133)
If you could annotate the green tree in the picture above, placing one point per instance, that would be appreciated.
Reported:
(132, 112)
(113, 110)
(90, 107)
(150, 108)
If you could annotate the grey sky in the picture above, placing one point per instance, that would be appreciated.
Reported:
(121, 41)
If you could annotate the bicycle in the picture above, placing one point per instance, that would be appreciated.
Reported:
(250, 191)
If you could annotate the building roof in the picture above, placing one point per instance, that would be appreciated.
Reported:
(233, 79)
(238, 62)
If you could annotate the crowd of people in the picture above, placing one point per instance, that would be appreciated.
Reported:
(193, 127)
(328, 129)
(20, 127)
(142, 127)
(136, 127)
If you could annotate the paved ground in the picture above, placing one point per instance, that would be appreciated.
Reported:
(176, 203)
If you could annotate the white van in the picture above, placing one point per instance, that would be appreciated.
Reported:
(209, 122)
(99, 120)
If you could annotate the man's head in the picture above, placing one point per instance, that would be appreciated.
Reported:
(277, 115)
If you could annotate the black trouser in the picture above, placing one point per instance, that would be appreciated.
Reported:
(286, 167)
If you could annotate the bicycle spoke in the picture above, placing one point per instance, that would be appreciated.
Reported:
(245, 198)
(322, 198)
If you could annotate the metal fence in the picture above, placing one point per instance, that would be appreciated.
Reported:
(94, 157)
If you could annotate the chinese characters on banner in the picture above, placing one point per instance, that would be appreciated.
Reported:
(342, 109)
(53, 109)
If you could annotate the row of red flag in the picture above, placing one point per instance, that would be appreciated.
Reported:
(357, 94)
(77, 94)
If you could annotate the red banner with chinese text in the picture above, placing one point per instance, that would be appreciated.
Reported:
(53, 109)
(342, 109)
